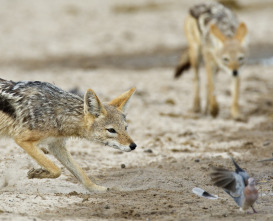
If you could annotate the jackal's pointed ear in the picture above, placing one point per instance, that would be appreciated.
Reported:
(241, 32)
(121, 102)
(217, 33)
(92, 104)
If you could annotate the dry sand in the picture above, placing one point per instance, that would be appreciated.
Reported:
(110, 46)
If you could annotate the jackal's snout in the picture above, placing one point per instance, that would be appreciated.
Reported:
(235, 73)
(132, 146)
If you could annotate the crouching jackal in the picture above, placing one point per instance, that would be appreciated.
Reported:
(37, 112)
(214, 33)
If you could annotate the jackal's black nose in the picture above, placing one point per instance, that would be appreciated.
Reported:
(133, 146)
(235, 73)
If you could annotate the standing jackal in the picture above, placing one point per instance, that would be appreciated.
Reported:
(214, 33)
(36, 112)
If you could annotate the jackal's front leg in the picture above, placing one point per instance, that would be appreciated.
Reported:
(48, 170)
(235, 112)
(59, 150)
(212, 105)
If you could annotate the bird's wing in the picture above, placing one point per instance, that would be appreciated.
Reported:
(224, 178)
(232, 182)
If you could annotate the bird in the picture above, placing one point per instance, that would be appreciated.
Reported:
(237, 184)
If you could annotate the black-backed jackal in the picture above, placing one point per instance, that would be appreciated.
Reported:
(214, 33)
(36, 112)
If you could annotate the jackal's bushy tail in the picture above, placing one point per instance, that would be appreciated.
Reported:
(183, 65)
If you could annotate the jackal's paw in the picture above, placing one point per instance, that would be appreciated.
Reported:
(239, 117)
(214, 110)
(196, 109)
(38, 173)
(97, 188)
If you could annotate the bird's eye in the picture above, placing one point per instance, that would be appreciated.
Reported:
(112, 130)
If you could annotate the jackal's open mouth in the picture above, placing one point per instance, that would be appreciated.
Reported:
(122, 148)
(111, 145)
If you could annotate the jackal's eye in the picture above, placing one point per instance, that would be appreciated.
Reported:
(112, 130)
(225, 59)
(126, 127)
(241, 58)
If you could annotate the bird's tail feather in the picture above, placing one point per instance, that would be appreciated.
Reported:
(238, 169)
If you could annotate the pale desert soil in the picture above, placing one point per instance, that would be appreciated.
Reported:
(110, 46)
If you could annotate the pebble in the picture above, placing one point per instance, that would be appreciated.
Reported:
(148, 151)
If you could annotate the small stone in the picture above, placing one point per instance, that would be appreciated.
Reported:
(107, 207)
(196, 160)
(85, 199)
(148, 151)
(44, 150)
(266, 143)
(170, 101)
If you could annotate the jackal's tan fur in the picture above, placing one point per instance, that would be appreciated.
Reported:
(35, 113)
(214, 33)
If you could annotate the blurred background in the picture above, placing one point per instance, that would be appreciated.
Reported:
(122, 34)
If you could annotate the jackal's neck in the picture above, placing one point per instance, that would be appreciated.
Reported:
(71, 123)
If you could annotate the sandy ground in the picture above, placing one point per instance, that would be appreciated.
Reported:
(110, 46)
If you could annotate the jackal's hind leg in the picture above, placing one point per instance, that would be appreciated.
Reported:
(194, 54)
(196, 100)
(48, 170)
